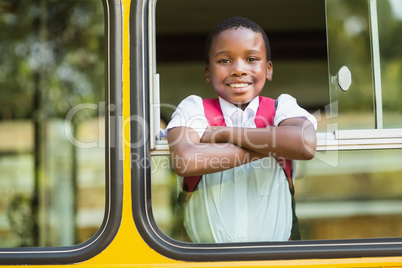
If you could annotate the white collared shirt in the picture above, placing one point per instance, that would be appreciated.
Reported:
(247, 203)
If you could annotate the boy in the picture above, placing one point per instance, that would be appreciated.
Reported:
(243, 194)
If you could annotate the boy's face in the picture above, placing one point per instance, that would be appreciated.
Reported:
(238, 65)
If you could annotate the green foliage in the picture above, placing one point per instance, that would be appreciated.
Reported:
(54, 49)
(350, 44)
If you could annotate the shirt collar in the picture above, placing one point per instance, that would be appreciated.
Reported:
(228, 109)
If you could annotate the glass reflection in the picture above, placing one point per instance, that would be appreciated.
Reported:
(51, 106)
(350, 194)
(344, 195)
(390, 27)
(349, 45)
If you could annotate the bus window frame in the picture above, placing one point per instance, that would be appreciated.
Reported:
(143, 77)
(114, 164)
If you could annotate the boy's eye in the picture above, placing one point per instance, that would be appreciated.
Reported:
(252, 59)
(223, 61)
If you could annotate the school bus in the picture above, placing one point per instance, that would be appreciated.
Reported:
(88, 85)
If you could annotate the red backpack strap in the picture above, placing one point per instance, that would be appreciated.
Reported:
(265, 117)
(287, 166)
(213, 112)
(214, 115)
(266, 112)
(189, 184)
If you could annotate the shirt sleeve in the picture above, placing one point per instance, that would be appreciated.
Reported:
(189, 113)
(287, 107)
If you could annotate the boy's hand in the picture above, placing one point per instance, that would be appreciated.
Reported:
(215, 134)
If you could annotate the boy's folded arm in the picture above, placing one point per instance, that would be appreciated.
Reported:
(294, 138)
(191, 157)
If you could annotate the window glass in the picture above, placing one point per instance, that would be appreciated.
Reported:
(390, 40)
(350, 194)
(165, 191)
(348, 32)
(52, 125)
(336, 192)
(336, 196)
(299, 55)
(357, 30)
(297, 39)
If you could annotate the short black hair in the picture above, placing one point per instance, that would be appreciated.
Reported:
(234, 23)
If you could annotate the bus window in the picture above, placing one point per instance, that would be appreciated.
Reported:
(52, 122)
(351, 194)
(298, 51)
(352, 178)
(364, 40)
(349, 32)
(390, 42)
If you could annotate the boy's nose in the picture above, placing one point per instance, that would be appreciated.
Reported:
(238, 69)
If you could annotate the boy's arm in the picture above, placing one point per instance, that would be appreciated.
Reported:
(191, 157)
(294, 138)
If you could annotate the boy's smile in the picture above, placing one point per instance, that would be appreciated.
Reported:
(238, 65)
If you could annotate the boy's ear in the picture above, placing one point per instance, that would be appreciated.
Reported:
(207, 75)
(270, 70)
